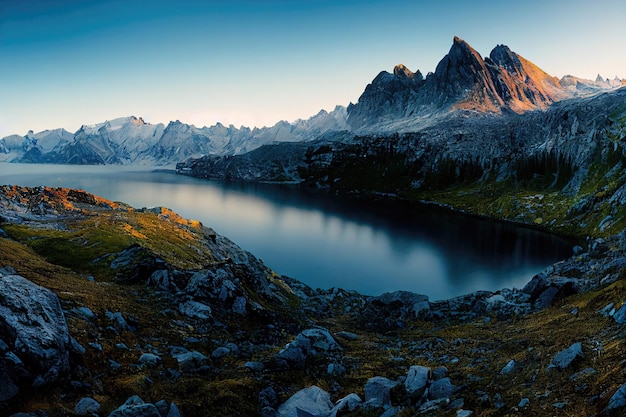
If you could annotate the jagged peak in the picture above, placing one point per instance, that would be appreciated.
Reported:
(402, 71)
(502, 56)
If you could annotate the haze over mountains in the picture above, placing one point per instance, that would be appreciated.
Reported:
(402, 101)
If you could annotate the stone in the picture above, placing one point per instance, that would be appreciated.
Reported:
(417, 380)
(464, 413)
(509, 367)
(195, 309)
(524, 402)
(347, 335)
(335, 369)
(567, 357)
(348, 403)
(313, 341)
(190, 361)
(617, 401)
(119, 322)
(239, 305)
(442, 388)
(439, 372)
(620, 315)
(136, 407)
(220, 352)
(87, 407)
(35, 336)
(149, 359)
(174, 411)
(311, 401)
(254, 366)
(378, 391)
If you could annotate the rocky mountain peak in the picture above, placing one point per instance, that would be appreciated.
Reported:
(502, 56)
(402, 71)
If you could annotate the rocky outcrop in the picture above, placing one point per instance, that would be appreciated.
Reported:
(34, 338)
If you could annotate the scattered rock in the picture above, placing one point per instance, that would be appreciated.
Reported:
(190, 361)
(35, 337)
(509, 367)
(378, 391)
(620, 315)
(311, 401)
(309, 342)
(567, 357)
(348, 403)
(87, 407)
(417, 380)
(196, 310)
(149, 359)
(617, 401)
(347, 335)
(136, 407)
(442, 388)
(524, 402)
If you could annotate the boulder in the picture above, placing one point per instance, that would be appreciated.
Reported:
(195, 309)
(136, 407)
(440, 389)
(509, 367)
(617, 402)
(620, 315)
(313, 341)
(190, 361)
(567, 357)
(149, 359)
(417, 380)
(348, 403)
(87, 407)
(311, 401)
(35, 343)
(378, 391)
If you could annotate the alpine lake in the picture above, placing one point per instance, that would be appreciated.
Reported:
(325, 240)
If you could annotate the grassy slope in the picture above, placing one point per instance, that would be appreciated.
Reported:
(482, 348)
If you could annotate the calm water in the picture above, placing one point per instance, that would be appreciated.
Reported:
(324, 240)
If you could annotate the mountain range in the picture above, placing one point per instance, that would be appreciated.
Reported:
(464, 83)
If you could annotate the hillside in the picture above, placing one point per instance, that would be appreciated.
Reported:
(152, 305)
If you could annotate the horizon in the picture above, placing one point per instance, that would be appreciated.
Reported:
(247, 64)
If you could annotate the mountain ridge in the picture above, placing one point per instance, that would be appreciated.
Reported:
(463, 81)
(402, 101)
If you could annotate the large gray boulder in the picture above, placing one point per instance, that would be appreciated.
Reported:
(378, 391)
(136, 407)
(417, 380)
(313, 342)
(567, 357)
(617, 402)
(35, 343)
(312, 402)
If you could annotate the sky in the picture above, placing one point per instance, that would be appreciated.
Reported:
(66, 63)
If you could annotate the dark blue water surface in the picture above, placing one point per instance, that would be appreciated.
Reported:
(325, 240)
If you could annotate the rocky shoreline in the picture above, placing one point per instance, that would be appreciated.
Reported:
(162, 339)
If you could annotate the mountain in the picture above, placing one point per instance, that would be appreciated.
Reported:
(463, 81)
(464, 84)
(130, 140)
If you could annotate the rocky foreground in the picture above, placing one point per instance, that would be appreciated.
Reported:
(108, 310)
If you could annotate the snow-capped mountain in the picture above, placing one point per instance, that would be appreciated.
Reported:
(130, 140)
(464, 83)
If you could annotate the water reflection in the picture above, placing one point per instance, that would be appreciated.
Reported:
(327, 240)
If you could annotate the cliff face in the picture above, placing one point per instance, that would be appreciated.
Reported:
(571, 148)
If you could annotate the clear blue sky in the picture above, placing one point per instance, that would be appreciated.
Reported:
(64, 63)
